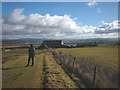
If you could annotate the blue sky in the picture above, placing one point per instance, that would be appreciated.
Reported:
(86, 15)
(73, 19)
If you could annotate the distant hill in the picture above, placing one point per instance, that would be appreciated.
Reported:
(24, 41)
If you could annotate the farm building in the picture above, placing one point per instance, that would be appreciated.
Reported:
(52, 43)
(87, 44)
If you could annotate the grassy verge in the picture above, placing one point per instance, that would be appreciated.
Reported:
(56, 77)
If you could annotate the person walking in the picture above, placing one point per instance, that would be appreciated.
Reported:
(31, 52)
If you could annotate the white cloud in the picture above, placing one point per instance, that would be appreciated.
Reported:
(91, 4)
(107, 27)
(15, 17)
(17, 25)
(38, 25)
(98, 10)
(75, 18)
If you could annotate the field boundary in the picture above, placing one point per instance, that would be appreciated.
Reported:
(72, 76)
(86, 72)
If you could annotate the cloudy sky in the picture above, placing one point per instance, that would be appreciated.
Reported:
(80, 20)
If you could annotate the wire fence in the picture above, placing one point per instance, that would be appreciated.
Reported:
(91, 74)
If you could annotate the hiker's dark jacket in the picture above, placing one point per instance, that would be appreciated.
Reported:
(31, 51)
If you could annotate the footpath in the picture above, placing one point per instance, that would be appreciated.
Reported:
(46, 73)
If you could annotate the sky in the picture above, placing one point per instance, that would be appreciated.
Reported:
(59, 20)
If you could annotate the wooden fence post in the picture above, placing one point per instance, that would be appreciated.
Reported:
(73, 64)
(94, 77)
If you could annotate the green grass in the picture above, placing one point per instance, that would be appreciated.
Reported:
(16, 75)
(105, 56)
(56, 76)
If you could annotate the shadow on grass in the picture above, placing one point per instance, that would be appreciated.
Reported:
(11, 68)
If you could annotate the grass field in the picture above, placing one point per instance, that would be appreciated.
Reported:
(42, 75)
(16, 75)
(47, 73)
(105, 56)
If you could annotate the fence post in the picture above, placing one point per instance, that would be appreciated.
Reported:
(94, 77)
(73, 64)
